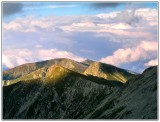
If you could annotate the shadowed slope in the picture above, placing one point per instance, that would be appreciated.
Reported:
(57, 93)
(136, 100)
(70, 95)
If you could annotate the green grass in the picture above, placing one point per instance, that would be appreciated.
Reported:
(108, 72)
(58, 73)
(26, 78)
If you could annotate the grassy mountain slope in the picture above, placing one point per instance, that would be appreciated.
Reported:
(24, 69)
(94, 70)
(90, 67)
(72, 96)
(57, 95)
(56, 73)
(108, 72)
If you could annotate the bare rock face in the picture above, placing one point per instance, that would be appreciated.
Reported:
(66, 94)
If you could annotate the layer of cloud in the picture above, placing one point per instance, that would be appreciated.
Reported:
(137, 16)
(89, 36)
(9, 8)
(126, 26)
(15, 57)
(145, 50)
(152, 62)
(54, 53)
(149, 17)
(27, 24)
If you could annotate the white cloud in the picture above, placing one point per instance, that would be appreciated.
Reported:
(117, 28)
(150, 15)
(96, 23)
(108, 15)
(126, 28)
(152, 62)
(147, 15)
(15, 57)
(54, 53)
(115, 25)
(7, 61)
(129, 25)
(28, 24)
(145, 50)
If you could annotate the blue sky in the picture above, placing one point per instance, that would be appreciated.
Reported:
(112, 33)
(72, 8)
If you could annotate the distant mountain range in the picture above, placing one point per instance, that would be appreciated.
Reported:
(66, 89)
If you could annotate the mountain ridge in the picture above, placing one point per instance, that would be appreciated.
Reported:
(51, 72)
(29, 67)
(107, 71)
(78, 98)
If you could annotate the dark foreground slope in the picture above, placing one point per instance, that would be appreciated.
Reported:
(137, 99)
(65, 94)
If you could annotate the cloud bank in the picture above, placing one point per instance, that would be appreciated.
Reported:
(118, 38)
(153, 62)
(15, 57)
(145, 50)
